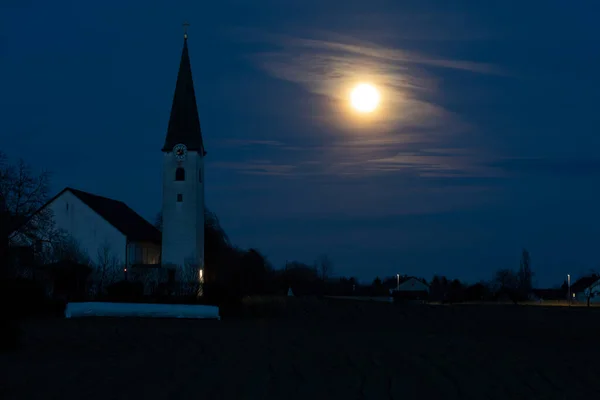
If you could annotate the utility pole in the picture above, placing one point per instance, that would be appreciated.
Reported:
(569, 288)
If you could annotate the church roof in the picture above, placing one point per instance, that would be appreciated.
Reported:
(184, 123)
(116, 213)
(583, 283)
(119, 215)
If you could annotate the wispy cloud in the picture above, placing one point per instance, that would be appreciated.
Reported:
(257, 167)
(376, 52)
(548, 166)
(250, 142)
(330, 67)
(439, 166)
(405, 133)
(438, 163)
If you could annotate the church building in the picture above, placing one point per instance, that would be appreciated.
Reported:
(98, 223)
(183, 177)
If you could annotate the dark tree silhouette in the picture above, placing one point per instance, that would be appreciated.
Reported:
(440, 289)
(455, 291)
(437, 291)
(325, 267)
(525, 275)
(158, 221)
(378, 288)
(254, 273)
(22, 194)
(506, 279)
(476, 292)
(506, 283)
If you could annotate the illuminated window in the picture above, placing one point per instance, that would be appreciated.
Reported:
(153, 256)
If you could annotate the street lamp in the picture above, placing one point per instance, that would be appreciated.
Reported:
(569, 287)
(397, 282)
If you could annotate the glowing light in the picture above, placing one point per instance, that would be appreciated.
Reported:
(365, 98)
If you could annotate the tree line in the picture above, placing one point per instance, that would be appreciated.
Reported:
(230, 272)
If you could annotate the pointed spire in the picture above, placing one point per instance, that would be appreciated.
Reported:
(184, 123)
(185, 26)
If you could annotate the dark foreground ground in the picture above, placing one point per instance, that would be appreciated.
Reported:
(320, 350)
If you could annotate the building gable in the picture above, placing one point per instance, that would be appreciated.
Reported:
(119, 215)
(413, 284)
(91, 231)
(585, 283)
(96, 221)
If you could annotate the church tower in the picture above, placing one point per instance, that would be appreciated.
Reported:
(183, 180)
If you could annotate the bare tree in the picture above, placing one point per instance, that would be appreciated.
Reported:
(594, 289)
(525, 274)
(191, 278)
(506, 279)
(22, 195)
(158, 221)
(63, 247)
(108, 267)
(325, 267)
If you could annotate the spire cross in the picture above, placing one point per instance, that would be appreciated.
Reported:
(185, 28)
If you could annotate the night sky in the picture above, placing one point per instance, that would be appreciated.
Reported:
(486, 140)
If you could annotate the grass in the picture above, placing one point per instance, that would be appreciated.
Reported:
(315, 348)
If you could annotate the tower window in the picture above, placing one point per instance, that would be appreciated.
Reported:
(200, 175)
(179, 197)
(180, 174)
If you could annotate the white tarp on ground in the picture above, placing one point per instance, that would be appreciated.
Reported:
(94, 309)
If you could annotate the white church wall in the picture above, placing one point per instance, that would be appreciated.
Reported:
(183, 221)
(92, 232)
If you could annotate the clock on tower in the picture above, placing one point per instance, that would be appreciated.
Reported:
(180, 151)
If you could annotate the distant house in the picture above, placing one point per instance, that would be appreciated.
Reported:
(586, 288)
(102, 225)
(411, 288)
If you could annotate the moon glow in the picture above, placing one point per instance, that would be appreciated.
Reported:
(364, 98)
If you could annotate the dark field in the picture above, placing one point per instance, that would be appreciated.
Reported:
(321, 349)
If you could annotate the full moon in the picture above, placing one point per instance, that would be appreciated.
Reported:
(364, 98)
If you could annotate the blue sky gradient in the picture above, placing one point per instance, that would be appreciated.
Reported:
(486, 141)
